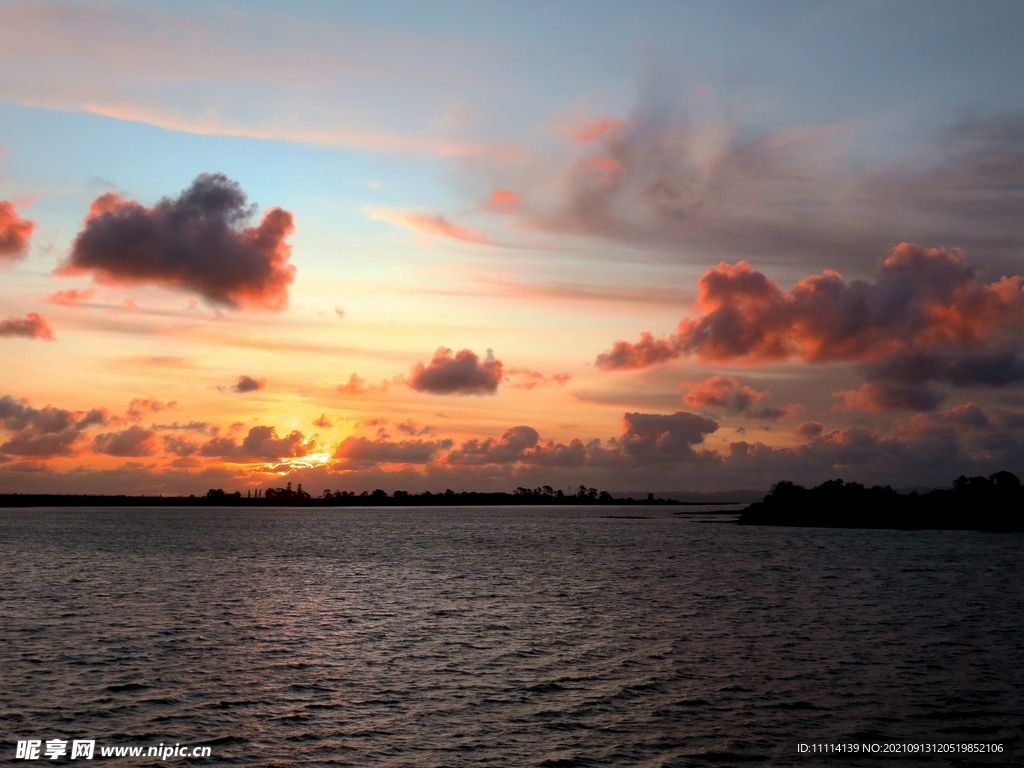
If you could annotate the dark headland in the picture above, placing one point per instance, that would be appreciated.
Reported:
(993, 503)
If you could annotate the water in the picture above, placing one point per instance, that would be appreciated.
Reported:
(503, 636)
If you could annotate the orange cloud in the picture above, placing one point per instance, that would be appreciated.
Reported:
(14, 232)
(432, 225)
(356, 385)
(923, 299)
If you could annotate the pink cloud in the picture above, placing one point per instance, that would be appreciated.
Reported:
(648, 351)
(356, 386)
(597, 128)
(14, 232)
(143, 406)
(607, 168)
(32, 326)
(524, 378)
(502, 200)
(72, 297)
(432, 225)
(724, 392)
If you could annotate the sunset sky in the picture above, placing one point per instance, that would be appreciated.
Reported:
(637, 246)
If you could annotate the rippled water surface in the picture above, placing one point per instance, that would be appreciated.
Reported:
(503, 636)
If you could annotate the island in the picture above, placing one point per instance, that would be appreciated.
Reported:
(993, 503)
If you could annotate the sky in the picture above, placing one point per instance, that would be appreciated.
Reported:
(655, 246)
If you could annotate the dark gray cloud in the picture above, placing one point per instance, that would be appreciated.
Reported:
(42, 432)
(191, 426)
(17, 414)
(646, 438)
(133, 441)
(32, 443)
(659, 180)
(463, 374)
(362, 451)
(773, 412)
(196, 242)
(97, 417)
(260, 444)
(412, 428)
(994, 369)
(810, 429)
(968, 192)
(873, 396)
(516, 444)
(248, 384)
(656, 436)
(180, 446)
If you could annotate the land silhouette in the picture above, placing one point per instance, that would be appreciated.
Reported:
(297, 497)
(993, 503)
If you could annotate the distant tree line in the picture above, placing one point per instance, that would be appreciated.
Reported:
(289, 496)
(544, 494)
(993, 503)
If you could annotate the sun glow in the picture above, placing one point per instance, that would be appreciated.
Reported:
(308, 461)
